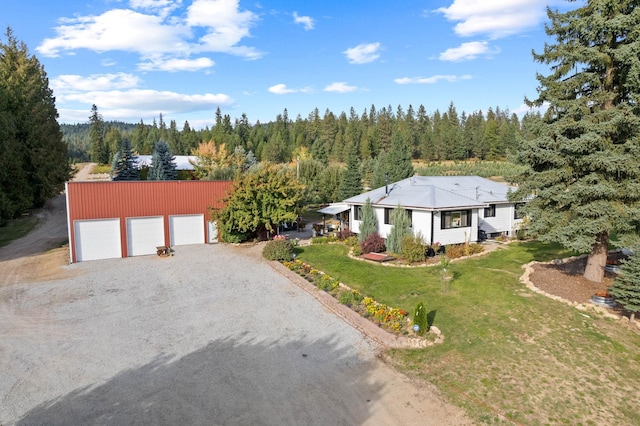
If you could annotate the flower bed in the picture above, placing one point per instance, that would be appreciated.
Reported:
(391, 319)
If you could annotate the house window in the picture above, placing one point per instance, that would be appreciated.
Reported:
(517, 211)
(387, 216)
(357, 212)
(490, 211)
(388, 212)
(455, 219)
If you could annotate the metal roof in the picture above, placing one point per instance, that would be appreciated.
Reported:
(334, 209)
(437, 193)
(183, 162)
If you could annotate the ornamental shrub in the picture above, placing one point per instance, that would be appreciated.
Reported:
(420, 318)
(414, 248)
(373, 244)
(346, 298)
(278, 250)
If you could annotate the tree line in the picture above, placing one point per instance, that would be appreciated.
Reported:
(325, 137)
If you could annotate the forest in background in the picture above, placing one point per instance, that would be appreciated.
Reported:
(327, 137)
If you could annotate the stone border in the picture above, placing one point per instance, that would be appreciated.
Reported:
(363, 325)
(584, 307)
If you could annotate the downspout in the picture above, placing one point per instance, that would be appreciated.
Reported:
(432, 226)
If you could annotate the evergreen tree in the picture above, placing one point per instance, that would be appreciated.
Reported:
(33, 156)
(626, 286)
(584, 158)
(163, 164)
(398, 159)
(99, 149)
(351, 183)
(400, 228)
(368, 221)
(124, 165)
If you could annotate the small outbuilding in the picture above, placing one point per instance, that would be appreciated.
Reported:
(133, 218)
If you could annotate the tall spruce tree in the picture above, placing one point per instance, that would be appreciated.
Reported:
(368, 221)
(398, 160)
(163, 164)
(351, 183)
(584, 156)
(124, 166)
(33, 155)
(98, 147)
(626, 286)
(400, 228)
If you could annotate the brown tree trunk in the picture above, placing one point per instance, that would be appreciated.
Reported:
(597, 259)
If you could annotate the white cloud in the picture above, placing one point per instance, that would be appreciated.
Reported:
(175, 64)
(468, 51)
(340, 87)
(433, 79)
(282, 89)
(306, 21)
(76, 83)
(494, 18)
(363, 53)
(226, 25)
(151, 100)
(162, 7)
(155, 33)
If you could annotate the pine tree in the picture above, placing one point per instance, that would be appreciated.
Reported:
(399, 163)
(583, 158)
(98, 147)
(626, 286)
(351, 183)
(369, 223)
(401, 227)
(163, 165)
(124, 166)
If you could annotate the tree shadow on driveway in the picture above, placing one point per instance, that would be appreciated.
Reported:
(228, 382)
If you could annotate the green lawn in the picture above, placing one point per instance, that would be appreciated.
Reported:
(508, 353)
(16, 229)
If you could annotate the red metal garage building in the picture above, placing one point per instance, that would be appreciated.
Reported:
(120, 219)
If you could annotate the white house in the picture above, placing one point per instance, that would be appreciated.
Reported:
(444, 209)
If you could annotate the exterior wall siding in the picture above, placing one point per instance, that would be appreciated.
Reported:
(456, 235)
(103, 200)
(421, 221)
(503, 221)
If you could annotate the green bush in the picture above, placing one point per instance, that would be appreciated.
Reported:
(413, 248)
(346, 298)
(278, 250)
(420, 318)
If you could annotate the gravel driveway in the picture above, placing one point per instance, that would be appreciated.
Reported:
(211, 336)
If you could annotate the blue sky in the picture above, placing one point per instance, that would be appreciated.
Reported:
(137, 59)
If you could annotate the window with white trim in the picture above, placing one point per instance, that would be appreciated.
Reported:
(455, 219)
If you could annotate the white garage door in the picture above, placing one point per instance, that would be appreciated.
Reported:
(97, 239)
(186, 229)
(144, 234)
